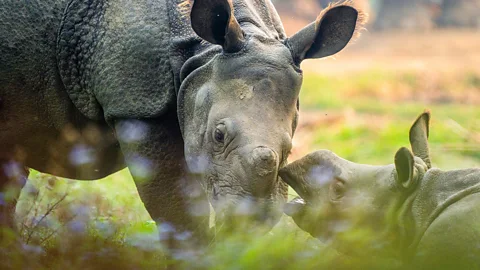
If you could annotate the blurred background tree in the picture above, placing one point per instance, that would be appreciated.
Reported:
(412, 15)
(460, 13)
(407, 14)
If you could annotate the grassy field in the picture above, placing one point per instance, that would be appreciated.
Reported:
(360, 105)
(366, 117)
(370, 94)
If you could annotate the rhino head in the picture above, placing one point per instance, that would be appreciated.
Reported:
(337, 194)
(238, 112)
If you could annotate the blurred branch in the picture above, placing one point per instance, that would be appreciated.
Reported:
(50, 209)
(468, 135)
(32, 205)
(462, 147)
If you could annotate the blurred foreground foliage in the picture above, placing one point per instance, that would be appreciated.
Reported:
(363, 117)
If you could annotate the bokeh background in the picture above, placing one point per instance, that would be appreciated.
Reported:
(414, 55)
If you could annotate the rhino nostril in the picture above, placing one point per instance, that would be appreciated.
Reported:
(265, 159)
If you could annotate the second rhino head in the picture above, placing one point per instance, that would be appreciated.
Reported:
(407, 210)
(344, 195)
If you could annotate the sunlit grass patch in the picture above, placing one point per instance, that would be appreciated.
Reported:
(366, 89)
(373, 112)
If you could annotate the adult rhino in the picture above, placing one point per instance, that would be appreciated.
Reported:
(420, 215)
(168, 88)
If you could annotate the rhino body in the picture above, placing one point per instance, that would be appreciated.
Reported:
(199, 99)
(418, 214)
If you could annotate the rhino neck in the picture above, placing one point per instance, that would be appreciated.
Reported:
(405, 218)
(435, 193)
(400, 227)
(184, 43)
(394, 220)
(77, 38)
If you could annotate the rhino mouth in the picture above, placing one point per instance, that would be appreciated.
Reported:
(234, 207)
(248, 216)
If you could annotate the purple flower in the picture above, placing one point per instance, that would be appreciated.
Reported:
(78, 226)
(131, 131)
(81, 155)
(140, 167)
(322, 175)
(183, 236)
(12, 169)
(165, 230)
(33, 249)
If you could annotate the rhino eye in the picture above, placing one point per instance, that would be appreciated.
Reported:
(219, 135)
(337, 190)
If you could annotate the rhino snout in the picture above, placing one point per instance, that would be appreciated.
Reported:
(264, 161)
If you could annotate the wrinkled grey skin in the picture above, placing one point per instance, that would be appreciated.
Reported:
(178, 93)
(419, 214)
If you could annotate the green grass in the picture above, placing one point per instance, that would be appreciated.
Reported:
(103, 224)
(377, 123)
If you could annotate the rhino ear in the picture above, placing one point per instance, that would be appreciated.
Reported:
(419, 133)
(329, 34)
(214, 21)
(405, 166)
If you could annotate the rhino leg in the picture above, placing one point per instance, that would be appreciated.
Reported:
(156, 161)
(13, 176)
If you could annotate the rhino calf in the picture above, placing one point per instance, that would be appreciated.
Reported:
(416, 213)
